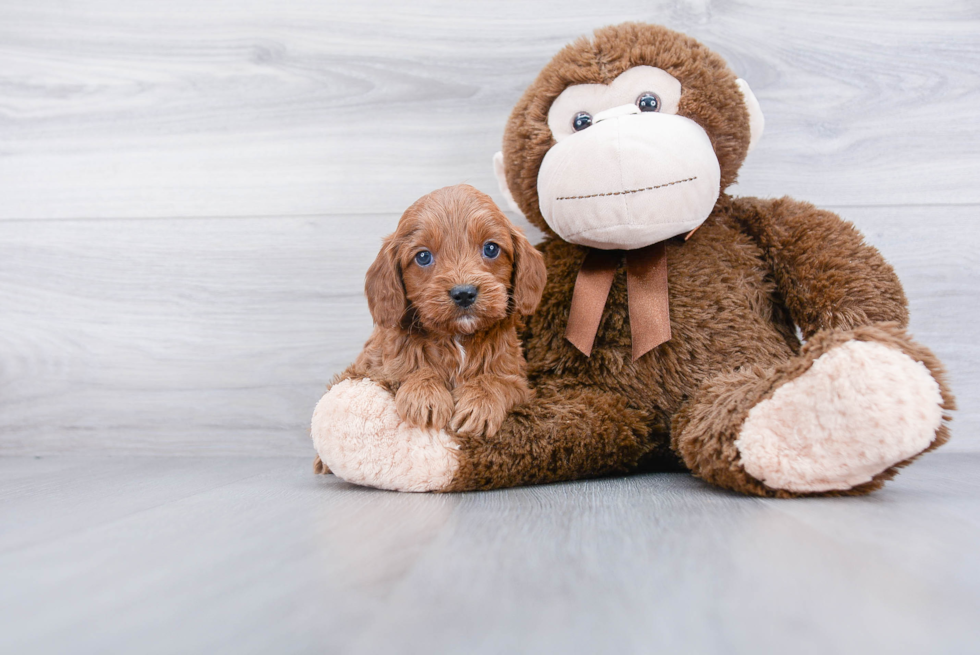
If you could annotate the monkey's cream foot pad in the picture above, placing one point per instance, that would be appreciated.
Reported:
(358, 434)
(859, 409)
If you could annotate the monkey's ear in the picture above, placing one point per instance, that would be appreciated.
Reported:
(384, 288)
(498, 170)
(757, 121)
(529, 275)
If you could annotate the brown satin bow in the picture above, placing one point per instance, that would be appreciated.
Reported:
(646, 287)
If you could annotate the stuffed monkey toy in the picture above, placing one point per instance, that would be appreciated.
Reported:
(667, 335)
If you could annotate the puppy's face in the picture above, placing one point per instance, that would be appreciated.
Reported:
(455, 264)
(456, 256)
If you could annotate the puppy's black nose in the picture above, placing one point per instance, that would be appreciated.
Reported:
(463, 295)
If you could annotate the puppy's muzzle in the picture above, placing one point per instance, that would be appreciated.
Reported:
(463, 295)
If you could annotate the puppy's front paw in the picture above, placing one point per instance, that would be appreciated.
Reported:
(477, 412)
(424, 403)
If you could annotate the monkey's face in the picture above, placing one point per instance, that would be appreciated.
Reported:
(628, 140)
(626, 171)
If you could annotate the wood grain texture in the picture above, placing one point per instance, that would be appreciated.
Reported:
(173, 337)
(134, 109)
(255, 555)
(191, 192)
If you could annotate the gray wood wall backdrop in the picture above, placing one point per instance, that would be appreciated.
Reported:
(190, 192)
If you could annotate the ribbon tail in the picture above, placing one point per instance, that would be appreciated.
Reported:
(592, 287)
(646, 285)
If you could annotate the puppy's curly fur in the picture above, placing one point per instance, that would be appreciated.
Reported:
(445, 363)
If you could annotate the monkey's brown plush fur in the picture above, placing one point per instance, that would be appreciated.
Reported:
(752, 274)
(755, 270)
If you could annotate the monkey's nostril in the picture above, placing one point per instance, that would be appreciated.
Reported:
(463, 295)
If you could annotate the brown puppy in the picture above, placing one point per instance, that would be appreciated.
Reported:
(446, 293)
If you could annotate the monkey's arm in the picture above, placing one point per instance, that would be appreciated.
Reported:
(828, 276)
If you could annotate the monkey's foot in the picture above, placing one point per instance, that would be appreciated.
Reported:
(860, 408)
(357, 433)
(841, 418)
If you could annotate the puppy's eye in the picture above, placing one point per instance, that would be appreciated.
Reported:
(491, 250)
(424, 258)
(648, 102)
(581, 121)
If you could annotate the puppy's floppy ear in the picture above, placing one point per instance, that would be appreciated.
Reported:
(530, 274)
(384, 288)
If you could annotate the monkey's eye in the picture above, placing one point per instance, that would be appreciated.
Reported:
(491, 250)
(648, 102)
(581, 121)
(424, 258)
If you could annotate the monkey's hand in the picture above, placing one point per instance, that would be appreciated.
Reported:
(424, 401)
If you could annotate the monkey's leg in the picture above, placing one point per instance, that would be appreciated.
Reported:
(560, 435)
(841, 418)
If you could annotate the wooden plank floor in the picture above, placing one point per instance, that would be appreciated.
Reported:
(256, 555)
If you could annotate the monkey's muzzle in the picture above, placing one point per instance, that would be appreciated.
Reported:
(629, 180)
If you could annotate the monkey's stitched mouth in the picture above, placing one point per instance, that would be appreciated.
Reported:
(624, 193)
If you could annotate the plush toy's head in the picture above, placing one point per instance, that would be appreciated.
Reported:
(627, 139)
